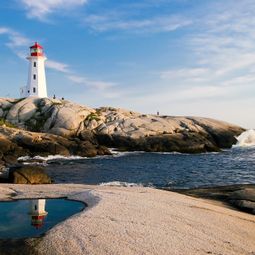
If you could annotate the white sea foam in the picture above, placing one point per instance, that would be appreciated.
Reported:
(169, 153)
(124, 153)
(113, 150)
(49, 158)
(246, 139)
(120, 184)
(4, 172)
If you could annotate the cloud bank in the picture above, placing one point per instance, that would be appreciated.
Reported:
(41, 9)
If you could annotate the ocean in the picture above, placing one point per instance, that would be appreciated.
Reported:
(161, 170)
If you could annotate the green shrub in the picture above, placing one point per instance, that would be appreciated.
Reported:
(92, 116)
(6, 123)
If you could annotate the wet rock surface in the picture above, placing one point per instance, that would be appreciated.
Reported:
(241, 197)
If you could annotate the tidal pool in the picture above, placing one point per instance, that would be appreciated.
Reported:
(33, 217)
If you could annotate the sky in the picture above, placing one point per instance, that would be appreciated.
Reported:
(178, 57)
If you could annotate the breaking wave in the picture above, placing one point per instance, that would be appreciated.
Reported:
(48, 158)
(116, 153)
(120, 184)
(246, 139)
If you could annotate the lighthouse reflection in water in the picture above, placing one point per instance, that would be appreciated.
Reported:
(32, 218)
(37, 212)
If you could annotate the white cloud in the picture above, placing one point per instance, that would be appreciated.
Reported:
(15, 38)
(193, 73)
(40, 9)
(223, 56)
(226, 43)
(58, 66)
(82, 80)
(4, 30)
(156, 24)
(198, 92)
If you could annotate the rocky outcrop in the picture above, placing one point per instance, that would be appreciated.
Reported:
(240, 196)
(15, 143)
(119, 128)
(28, 175)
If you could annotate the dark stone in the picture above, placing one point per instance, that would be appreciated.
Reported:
(180, 142)
(102, 150)
(87, 135)
(18, 247)
(241, 196)
(85, 149)
(28, 175)
(9, 152)
(45, 146)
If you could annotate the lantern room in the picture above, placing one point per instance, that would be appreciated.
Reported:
(36, 50)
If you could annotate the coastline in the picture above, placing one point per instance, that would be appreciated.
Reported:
(138, 220)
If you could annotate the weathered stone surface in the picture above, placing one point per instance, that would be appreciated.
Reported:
(9, 151)
(180, 142)
(15, 143)
(239, 196)
(118, 127)
(28, 175)
(22, 111)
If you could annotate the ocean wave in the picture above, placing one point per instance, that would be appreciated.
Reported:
(121, 184)
(124, 153)
(49, 158)
(246, 139)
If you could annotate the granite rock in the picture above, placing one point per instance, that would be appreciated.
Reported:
(119, 127)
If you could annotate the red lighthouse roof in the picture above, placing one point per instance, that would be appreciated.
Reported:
(36, 46)
(36, 50)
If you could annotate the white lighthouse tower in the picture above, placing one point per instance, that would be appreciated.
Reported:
(37, 212)
(36, 84)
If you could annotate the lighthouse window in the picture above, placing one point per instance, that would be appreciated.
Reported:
(34, 64)
(34, 76)
(34, 90)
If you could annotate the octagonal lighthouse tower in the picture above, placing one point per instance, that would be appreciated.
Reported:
(36, 84)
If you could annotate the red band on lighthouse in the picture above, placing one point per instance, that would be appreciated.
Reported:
(36, 50)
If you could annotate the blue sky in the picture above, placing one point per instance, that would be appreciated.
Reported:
(178, 57)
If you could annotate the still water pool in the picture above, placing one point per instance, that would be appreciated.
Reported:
(32, 218)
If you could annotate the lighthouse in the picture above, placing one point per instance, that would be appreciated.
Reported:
(36, 83)
(37, 212)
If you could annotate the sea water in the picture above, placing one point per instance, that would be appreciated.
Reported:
(172, 170)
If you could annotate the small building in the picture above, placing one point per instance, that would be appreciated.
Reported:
(37, 212)
(36, 83)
